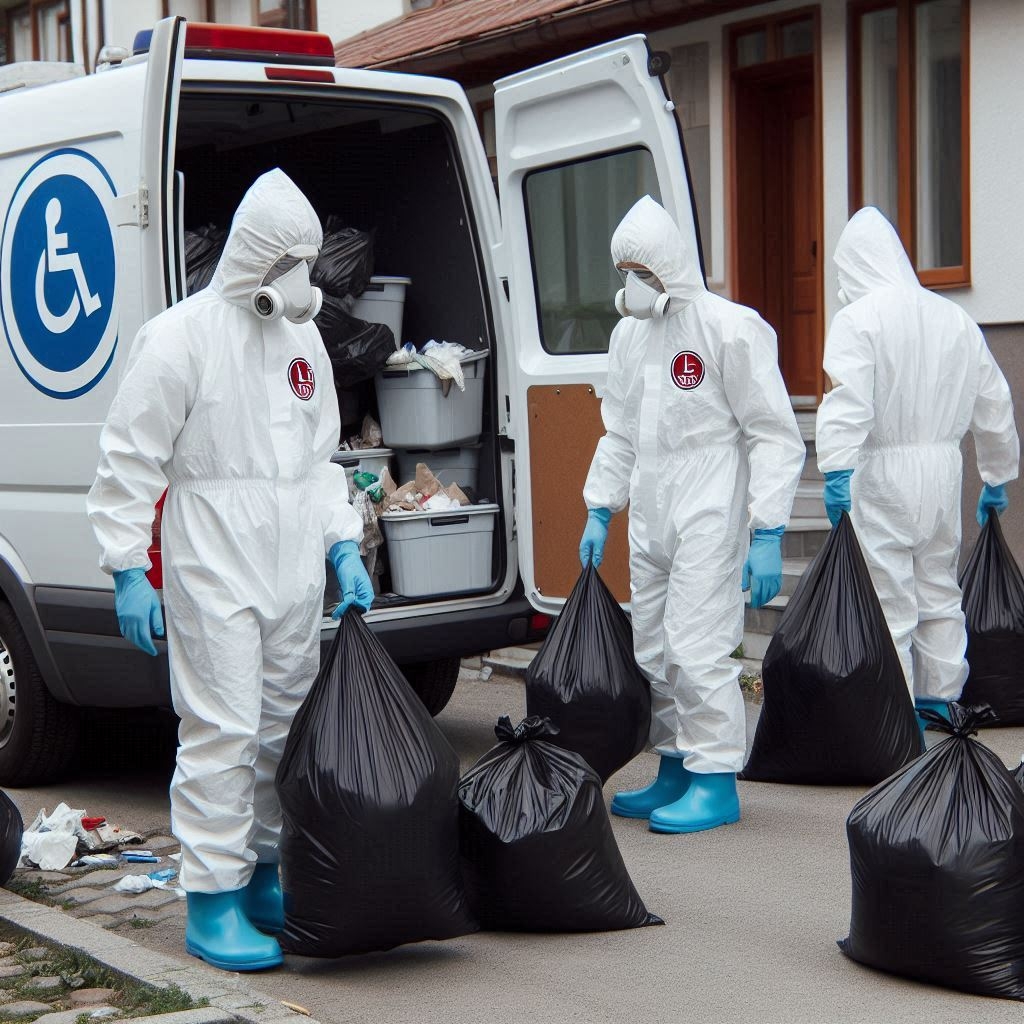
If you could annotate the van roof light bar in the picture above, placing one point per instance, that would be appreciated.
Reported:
(245, 42)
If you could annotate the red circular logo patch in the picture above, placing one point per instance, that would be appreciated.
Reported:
(687, 370)
(300, 376)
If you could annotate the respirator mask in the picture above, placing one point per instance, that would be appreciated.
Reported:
(643, 296)
(286, 291)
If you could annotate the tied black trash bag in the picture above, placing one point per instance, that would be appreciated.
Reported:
(538, 852)
(11, 829)
(586, 681)
(837, 710)
(357, 348)
(936, 854)
(345, 263)
(367, 784)
(202, 254)
(993, 603)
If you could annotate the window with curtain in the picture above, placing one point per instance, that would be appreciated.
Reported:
(286, 14)
(909, 132)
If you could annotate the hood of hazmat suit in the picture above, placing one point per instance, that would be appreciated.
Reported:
(702, 443)
(237, 418)
(911, 374)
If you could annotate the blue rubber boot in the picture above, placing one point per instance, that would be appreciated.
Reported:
(218, 932)
(262, 899)
(709, 801)
(669, 786)
(940, 707)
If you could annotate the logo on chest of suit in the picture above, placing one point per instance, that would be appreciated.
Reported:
(300, 376)
(687, 370)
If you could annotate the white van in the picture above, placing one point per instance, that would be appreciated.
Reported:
(101, 175)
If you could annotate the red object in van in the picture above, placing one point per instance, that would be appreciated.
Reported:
(156, 572)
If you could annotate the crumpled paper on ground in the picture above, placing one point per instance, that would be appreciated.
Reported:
(51, 841)
(421, 494)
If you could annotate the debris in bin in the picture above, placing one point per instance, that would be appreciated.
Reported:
(444, 359)
(415, 495)
(369, 436)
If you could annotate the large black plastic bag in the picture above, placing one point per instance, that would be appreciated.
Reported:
(936, 854)
(345, 263)
(994, 605)
(587, 682)
(357, 348)
(837, 708)
(538, 852)
(11, 829)
(368, 790)
(202, 254)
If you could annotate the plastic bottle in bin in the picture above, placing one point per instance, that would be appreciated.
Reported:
(156, 572)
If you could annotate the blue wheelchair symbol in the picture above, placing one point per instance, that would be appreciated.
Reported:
(57, 274)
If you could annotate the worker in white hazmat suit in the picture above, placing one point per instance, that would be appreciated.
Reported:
(228, 402)
(911, 374)
(702, 443)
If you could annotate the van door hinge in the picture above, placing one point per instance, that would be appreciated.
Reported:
(132, 210)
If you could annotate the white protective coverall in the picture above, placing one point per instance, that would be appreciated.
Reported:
(238, 418)
(911, 374)
(699, 427)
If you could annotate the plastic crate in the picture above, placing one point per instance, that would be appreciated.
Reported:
(450, 465)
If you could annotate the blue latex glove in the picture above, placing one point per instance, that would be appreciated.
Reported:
(992, 498)
(594, 537)
(762, 571)
(138, 609)
(837, 494)
(356, 588)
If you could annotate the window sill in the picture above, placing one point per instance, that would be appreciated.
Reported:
(946, 277)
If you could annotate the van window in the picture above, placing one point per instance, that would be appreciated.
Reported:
(572, 211)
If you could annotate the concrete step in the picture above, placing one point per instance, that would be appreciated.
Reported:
(755, 646)
(805, 536)
(764, 620)
(809, 502)
(792, 570)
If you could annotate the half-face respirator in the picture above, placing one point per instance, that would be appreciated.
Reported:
(642, 297)
(286, 292)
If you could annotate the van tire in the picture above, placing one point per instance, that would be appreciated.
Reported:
(38, 735)
(434, 682)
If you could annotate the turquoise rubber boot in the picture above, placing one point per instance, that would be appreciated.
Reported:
(940, 707)
(262, 899)
(218, 932)
(709, 801)
(671, 783)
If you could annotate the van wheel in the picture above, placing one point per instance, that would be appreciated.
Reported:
(434, 682)
(38, 735)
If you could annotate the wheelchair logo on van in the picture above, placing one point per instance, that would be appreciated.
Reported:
(58, 274)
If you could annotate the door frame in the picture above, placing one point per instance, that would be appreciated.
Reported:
(772, 66)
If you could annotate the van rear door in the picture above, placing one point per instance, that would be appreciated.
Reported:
(579, 140)
(160, 253)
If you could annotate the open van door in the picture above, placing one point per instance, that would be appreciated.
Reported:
(160, 189)
(579, 141)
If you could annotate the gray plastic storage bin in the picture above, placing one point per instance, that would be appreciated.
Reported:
(415, 414)
(440, 553)
(450, 465)
(365, 460)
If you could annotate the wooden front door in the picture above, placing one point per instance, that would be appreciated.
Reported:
(777, 215)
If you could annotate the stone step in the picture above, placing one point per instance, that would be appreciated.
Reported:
(792, 571)
(805, 536)
(809, 501)
(764, 620)
(511, 661)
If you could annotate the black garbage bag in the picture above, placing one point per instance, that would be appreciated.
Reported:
(202, 254)
(358, 349)
(936, 854)
(11, 829)
(368, 790)
(345, 263)
(837, 709)
(586, 681)
(993, 603)
(1018, 774)
(538, 852)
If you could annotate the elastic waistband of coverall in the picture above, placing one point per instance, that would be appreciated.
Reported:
(871, 450)
(225, 485)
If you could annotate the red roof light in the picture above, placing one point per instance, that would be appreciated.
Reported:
(274, 45)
